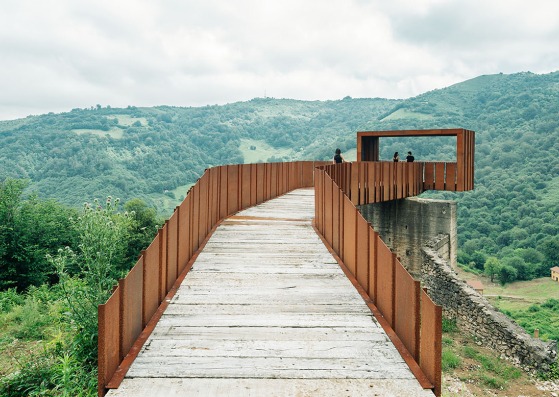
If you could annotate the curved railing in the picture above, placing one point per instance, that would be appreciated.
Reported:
(127, 317)
(391, 290)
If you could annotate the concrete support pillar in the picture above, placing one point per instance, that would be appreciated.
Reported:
(406, 225)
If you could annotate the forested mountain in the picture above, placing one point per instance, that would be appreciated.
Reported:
(155, 153)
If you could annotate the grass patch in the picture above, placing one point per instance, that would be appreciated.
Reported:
(261, 152)
(115, 133)
(450, 360)
(127, 120)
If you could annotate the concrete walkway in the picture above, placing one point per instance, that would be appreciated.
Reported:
(266, 311)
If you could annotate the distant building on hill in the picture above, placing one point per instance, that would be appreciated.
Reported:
(555, 273)
(476, 285)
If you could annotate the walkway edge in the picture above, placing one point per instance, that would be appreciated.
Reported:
(410, 361)
(124, 366)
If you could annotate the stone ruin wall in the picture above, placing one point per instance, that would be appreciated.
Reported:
(475, 315)
(422, 233)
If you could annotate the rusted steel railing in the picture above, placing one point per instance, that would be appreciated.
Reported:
(378, 181)
(220, 192)
(407, 309)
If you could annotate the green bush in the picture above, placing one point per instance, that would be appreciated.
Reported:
(449, 325)
(450, 360)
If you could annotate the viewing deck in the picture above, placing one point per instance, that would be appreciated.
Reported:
(266, 310)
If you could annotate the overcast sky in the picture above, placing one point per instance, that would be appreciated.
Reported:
(56, 55)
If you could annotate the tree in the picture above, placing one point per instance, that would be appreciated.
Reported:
(99, 261)
(507, 274)
(492, 267)
(550, 248)
(11, 191)
(143, 227)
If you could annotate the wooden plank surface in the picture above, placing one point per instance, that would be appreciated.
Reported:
(266, 311)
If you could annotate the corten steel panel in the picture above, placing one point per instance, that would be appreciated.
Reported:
(151, 281)
(373, 267)
(328, 208)
(253, 183)
(203, 217)
(131, 292)
(172, 249)
(296, 175)
(268, 181)
(318, 197)
(184, 234)
(470, 163)
(362, 182)
(281, 179)
(386, 180)
(415, 177)
(385, 281)
(399, 185)
(214, 195)
(406, 321)
(429, 176)
(292, 181)
(460, 162)
(354, 169)
(244, 191)
(378, 182)
(439, 176)
(336, 197)
(223, 193)
(342, 199)
(260, 182)
(362, 261)
(195, 218)
(108, 346)
(350, 235)
(233, 184)
(430, 350)
(307, 174)
(273, 180)
(347, 177)
(450, 182)
(164, 264)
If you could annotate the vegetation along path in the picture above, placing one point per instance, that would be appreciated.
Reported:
(267, 311)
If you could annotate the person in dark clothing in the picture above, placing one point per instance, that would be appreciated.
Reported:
(410, 158)
(338, 158)
(396, 157)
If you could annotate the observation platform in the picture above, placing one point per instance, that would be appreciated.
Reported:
(266, 310)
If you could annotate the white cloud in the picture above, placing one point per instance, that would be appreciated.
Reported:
(58, 55)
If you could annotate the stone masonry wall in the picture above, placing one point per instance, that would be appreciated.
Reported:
(475, 315)
(408, 224)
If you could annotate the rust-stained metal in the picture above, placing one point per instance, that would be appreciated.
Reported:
(108, 343)
(414, 367)
(430, 350)
(131, 292)
(362, 261)
(350, 233)
(406, 320)
(150, 281)
(385, 281)
(137, 301)
(172, 228)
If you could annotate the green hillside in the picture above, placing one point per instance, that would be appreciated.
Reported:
(157, 153)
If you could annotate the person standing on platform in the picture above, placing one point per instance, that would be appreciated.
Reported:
(410, 158)
(396, 157)
(338, 158)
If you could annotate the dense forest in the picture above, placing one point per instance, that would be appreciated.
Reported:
(61, 175)
(156, 153)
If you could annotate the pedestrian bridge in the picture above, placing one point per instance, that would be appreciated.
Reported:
(260, 284)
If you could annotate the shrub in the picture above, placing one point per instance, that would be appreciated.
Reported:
(450, 360)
